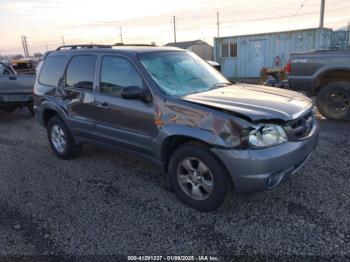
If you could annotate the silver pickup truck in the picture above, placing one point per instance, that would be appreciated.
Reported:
(16, 90)
(325, 74)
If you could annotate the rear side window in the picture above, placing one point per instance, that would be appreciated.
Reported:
(51, 69)
(80, 72)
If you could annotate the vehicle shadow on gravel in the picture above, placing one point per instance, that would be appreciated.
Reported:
(19, 114)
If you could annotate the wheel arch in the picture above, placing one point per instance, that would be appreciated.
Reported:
(49, 110)
(171, 143)
(339, 73)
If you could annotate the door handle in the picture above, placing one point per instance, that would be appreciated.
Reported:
(12, 77)
(104, 105)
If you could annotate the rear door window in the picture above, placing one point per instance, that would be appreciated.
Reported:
(80, 72)
(51, 70)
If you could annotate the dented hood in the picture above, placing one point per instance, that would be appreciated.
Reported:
(254, 101)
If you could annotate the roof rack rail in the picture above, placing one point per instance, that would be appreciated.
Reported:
(122, 44)
(70, 47)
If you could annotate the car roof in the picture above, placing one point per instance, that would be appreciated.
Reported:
(118, 49)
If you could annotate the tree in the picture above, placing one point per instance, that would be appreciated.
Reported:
(38, 55)
(19, 56)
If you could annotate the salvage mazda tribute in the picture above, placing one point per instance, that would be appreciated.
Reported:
(171, 107)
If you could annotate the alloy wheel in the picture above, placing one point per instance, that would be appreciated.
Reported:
(195, 178)
(338, 101)
(58, 138)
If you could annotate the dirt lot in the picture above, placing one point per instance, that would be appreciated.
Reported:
(106, 203)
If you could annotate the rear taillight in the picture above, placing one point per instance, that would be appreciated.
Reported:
(288, 68)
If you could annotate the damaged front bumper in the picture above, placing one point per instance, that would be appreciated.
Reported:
(254, 170)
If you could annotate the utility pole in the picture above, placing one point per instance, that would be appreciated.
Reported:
(24, 49)
(349, 34)
(25, 41)
(121, 34)
(63, 43)
(218, 23)
(174, 22)
(323, 3)
(25, 46)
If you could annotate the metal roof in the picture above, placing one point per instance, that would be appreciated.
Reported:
(276, 32)
(186, 44)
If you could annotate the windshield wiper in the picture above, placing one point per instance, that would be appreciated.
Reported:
(221, 85)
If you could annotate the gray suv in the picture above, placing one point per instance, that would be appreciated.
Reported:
(171, 107)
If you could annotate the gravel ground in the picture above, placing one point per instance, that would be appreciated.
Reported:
(107, 203)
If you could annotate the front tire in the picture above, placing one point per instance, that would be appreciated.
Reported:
(333, 100)
(198, 178)
(60, 139)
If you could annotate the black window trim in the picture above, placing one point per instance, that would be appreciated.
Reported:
(59, 74)
(234, 44)
(229, 50)
(63, 77)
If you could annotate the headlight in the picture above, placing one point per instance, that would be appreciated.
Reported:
(261, 136)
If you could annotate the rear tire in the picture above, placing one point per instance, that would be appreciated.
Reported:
(333, 101)
(198, 178)
(60, 139)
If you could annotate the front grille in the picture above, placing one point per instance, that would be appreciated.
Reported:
(302, 126)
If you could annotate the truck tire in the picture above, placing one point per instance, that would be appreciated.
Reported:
(60, 139)
(333, 101)
(197, 177)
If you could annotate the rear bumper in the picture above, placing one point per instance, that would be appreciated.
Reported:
(15, 100)
(255, 170)
(5, 104)
(302, 83)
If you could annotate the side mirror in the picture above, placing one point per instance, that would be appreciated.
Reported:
(134, 92)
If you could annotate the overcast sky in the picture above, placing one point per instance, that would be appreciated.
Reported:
(44, 22)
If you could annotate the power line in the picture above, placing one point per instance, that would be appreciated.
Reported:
(297, 12)
(263, 18)
(282, 16)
